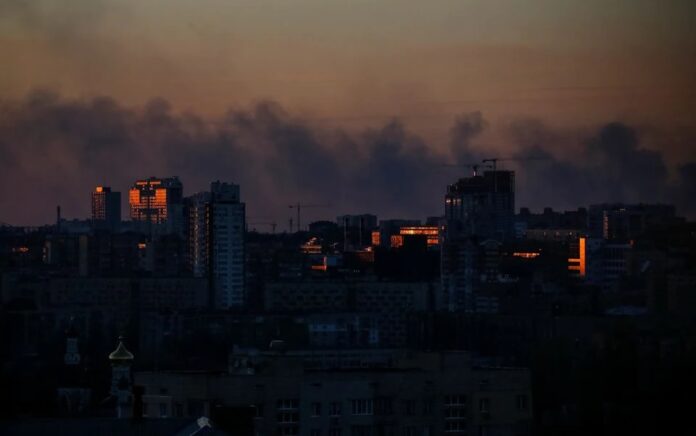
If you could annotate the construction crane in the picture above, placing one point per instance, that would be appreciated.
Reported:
(298, 206)
(474, 166)
(493, 161)
(272, 224)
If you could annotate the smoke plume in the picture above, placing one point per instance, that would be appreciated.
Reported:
(53, 150)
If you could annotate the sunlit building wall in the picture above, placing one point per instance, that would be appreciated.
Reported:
(432, 233)
(578, 265)
(156, 201)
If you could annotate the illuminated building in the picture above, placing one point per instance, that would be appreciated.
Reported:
(375, 238)
(106, 208)
(432, 233)
(389, 228)
(578, 265)
(396, 241)
(157, 201)
(599, 262)
(216, 223)
(313, 246)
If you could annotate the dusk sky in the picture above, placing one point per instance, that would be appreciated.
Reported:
(353, 103)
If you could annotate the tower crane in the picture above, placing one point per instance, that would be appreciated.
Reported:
(474, 166)
(493, 161)
(298, 207)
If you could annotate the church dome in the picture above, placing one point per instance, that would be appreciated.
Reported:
(121, 354)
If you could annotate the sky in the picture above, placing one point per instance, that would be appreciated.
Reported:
(353, 103)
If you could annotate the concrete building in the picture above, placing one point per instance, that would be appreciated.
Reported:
(106, 208)
(624, 222)
(386, 303)
(482, 206)
(157, 205)
(356, 392)
(477, 209)
(215, 234)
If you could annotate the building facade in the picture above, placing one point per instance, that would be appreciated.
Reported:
(215, 233)
(157, 203)
(478, 209)
(106, 208)
(352, 393)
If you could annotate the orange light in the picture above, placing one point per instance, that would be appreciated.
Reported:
(579, 264)
(526, 254)
(375, 238)
(431, 232)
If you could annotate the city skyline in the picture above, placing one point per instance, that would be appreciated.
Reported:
(290, 101)
(391, 173)
(347, 217)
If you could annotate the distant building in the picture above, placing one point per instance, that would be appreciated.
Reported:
(389, 228)
(106, 208)
(357, 229)
(599, 262)
(482, 206)
(478, 209)
(431, 233)
(215, 233)
(550, 219)
(158, 202)
(627, 221)
(197, 214)
(388, 303)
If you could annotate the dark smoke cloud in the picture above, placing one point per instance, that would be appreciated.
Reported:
(466, 128)
(54, 150)
(608, 165)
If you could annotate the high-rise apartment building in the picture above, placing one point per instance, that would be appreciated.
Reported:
(482, 206)
(216, 225)
(157, 201)
(478, 210)
(198, 233)
(106, 208)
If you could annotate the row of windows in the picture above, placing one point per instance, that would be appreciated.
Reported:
(454, 406)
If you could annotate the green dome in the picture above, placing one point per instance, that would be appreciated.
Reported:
(121, 354)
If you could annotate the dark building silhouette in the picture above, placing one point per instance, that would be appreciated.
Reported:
(106, 208)
(478, 210)
(215, 223)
